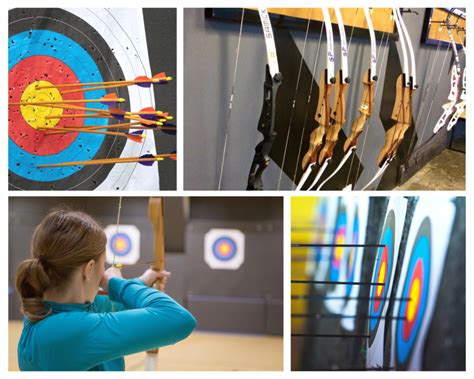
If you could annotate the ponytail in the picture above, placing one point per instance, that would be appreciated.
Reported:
(61, 243)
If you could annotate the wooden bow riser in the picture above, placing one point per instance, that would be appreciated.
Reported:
(365, 110)
(156, 217)
(337, 120)
(322, 116)
(402, 115)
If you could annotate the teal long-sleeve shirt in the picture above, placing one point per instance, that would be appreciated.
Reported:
(79, 337)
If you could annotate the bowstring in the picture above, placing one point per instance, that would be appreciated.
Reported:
(433, 97)
(364, 140)
(424, 99)
(290, 124)
(231, 101)
(116, 233)
(307, 105)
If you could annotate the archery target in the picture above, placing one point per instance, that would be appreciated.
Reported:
(326, 216)
(54, 46)
(420, 276)
(224, 249)
(342, 234)
(384, 272)
(354, 261)
(123, 244)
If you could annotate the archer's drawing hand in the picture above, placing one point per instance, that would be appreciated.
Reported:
(111, 272)
(150, 276)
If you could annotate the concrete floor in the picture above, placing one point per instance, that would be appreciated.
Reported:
(201, 351)
(446, 172)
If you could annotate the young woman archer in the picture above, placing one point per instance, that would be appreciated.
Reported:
(67, 325)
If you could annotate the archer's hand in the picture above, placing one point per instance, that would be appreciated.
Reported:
(111, 272)
(150, 276)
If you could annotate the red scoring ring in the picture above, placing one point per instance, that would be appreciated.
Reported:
(409, 324)
(384, 259)
(24, 73)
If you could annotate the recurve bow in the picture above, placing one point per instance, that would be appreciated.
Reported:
(366, 104)
(322, 116)
(402, 110)
(461, 104)
(156, 217)
(338, 109)
(266, 123)
(450, 106)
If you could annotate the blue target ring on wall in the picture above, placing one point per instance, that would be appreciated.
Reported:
(353, 252)
(120, 244)
(381, 274)
(415, 288)
(321, 222)
(337, 254)
(224, 248)
(30, 44)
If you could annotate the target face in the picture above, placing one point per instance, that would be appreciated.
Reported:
(382, 273)
(224, 248)
(120, 244)
(123, 244)
(339, 239)
(48, 47)
(352, 256)
(415, 288)
(321, 223)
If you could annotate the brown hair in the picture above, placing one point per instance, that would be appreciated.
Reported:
(61, 243)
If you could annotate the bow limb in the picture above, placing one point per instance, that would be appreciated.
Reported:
(402, 110)
(346, 157)
(366, 106)
(322, 115)
(156, 217)
(450, 107)
(266, 123)
(338, 110)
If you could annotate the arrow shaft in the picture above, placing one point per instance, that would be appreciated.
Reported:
(56, 103)
(82, 130)
(107, 161)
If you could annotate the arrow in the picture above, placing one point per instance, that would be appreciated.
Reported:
(108, 99)
(146, 160)
(134, 136)
(141, 81)
(170, 129)
(114, 113)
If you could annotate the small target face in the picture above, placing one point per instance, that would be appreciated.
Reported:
(224, 248)
(321, 219)
(120, 244)
(339, 239)
(352, 257)
(382, 274)
(415, 289)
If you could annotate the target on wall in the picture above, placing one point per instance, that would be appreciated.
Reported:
(340, 235)
(57, 131)
(415, 288)
(420, 277)
(123, 244)
(354, 262)
(382, 273)
(224, 249)
(338, 269)
(382, 279)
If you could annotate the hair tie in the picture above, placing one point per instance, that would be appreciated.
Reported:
(42, 260)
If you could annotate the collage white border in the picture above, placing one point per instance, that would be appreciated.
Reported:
(286, 373)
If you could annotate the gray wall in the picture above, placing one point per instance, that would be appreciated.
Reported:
(255, 291)
(210, 57)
